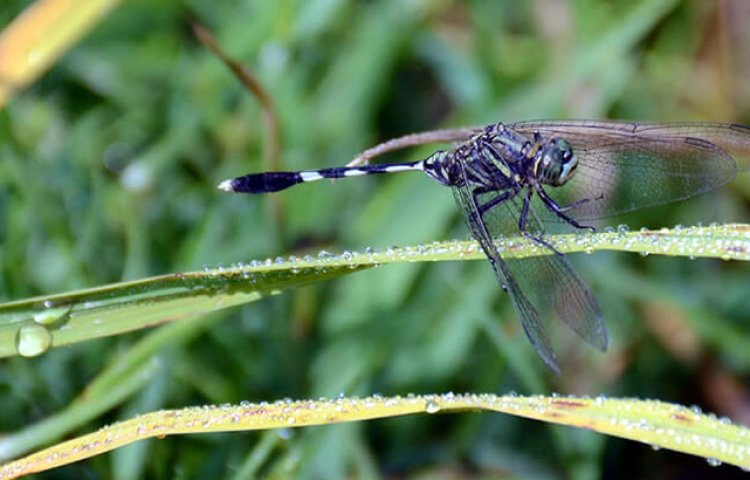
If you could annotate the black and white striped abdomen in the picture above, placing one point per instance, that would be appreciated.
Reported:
(268, 182)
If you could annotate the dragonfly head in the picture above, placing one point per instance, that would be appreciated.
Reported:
(556, 162)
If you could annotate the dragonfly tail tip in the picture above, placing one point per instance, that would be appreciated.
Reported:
(226, 186)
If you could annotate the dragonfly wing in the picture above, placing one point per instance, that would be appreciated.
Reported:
(549, 280)
(624, 166)
(540, 287)
(732, 138)
(528, 315)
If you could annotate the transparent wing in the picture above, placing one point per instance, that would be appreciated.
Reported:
(539, 287)
(528, 315)
(628, 166)
(550, 281)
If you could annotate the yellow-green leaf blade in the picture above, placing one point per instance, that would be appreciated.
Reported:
(29, 327)
(659, 424)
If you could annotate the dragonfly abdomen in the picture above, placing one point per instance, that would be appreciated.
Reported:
(268, 182)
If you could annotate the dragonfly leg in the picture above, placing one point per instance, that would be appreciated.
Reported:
(560, 211)
(580, 202)
(525, 211)
(485, 207)
(541, 243)
(522, 224)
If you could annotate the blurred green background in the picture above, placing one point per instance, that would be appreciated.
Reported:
(108, 173)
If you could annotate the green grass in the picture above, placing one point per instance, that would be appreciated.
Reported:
(108, 170)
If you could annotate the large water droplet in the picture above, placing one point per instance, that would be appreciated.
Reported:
(33, 340)
(432, 406)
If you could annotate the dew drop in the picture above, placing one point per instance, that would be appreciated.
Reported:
(714, 462)
(655, 447)
(51, 314)
(285, 433)
(432, 406)
(33, 340)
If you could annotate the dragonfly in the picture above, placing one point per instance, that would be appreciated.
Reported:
(523, 178)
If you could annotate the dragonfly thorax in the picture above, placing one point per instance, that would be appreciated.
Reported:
(555, 162)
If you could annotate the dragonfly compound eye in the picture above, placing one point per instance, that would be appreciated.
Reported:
(557, 162)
